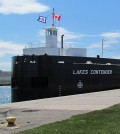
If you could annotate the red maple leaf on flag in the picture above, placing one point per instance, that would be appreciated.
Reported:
(58, 17)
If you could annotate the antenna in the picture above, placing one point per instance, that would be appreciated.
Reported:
(53, 17)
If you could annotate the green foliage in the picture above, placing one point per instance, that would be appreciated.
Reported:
(105, 121)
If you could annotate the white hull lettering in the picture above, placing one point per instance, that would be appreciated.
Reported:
(92, 72)
(101, 72)
(80, 71)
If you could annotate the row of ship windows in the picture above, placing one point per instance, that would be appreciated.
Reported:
(89, 62)
(62, 62)
(50, 32)
(32, 61)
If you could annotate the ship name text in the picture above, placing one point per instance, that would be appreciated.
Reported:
(92, 72)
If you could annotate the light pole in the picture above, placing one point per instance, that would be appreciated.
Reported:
(102, 46)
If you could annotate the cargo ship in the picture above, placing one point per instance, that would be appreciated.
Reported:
(53, 71)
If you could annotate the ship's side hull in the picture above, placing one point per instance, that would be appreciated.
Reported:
(35, 77)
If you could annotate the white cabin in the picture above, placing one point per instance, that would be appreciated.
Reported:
(52, 49)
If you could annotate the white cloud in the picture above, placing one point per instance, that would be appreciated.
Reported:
(95, 45)
(69, 37)
(10, 48)
(110, 39)
(106, 44)
(116, 57)
(5, 66)
(21, 7)
(72, 35)
(111, 35)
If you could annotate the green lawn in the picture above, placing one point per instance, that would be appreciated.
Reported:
(105, 121)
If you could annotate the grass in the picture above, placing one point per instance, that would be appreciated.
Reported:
(106, 121)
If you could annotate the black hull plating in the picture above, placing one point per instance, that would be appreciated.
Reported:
(35, 77)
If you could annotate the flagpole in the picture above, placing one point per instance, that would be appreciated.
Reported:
(53, 18)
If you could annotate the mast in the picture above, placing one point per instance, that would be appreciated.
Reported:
(51, 34)
(53, 13)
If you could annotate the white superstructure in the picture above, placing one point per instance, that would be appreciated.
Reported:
(51, 37)
(51, 47)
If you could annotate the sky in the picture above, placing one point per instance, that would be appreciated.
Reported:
(84, 23)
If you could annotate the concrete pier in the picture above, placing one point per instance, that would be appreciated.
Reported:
(30, 114)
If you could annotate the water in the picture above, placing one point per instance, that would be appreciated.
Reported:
(5, 94)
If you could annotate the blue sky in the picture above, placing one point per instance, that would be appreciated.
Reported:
(85, 23)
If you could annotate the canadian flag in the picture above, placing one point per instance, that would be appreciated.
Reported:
(58, 17)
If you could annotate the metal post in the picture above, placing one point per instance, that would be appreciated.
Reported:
(102, 46)
(62, 41)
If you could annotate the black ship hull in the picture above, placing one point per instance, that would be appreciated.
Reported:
(35, 77)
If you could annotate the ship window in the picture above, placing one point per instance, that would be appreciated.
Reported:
(108, 63)
(24, 60)
(49, 32)
(89, 62)
(33, 61)
(54, 32)
(61, 62)
(39, 82)
(16, 62)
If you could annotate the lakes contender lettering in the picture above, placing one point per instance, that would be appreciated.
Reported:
(92, 72)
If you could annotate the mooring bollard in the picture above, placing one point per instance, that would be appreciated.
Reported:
(11, 121)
